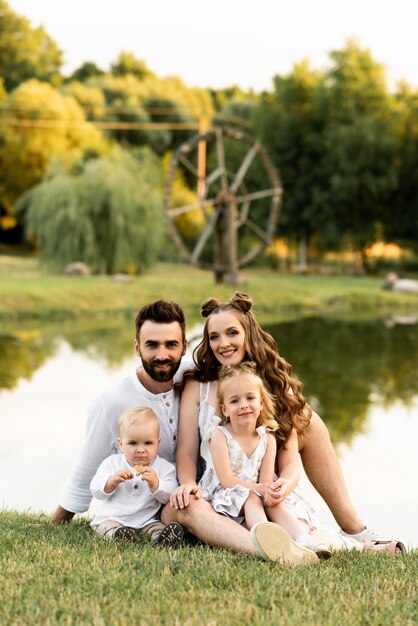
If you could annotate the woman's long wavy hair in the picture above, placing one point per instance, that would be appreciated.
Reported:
(292, 410)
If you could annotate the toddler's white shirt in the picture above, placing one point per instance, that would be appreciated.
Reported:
(132, 503)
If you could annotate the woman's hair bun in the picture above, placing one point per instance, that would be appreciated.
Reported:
(241, 301)
(208, 307)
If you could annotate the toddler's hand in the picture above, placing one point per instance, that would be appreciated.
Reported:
(149, 475)
(116, 479)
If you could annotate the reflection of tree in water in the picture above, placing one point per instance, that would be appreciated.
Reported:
(21, 354)
(109, 341)
(399, 371)
(343, 363)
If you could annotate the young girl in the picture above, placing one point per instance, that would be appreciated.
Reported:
(240, 456)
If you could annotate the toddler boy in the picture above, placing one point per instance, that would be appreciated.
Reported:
(132, 486)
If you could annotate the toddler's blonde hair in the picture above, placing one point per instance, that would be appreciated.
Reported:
(137, 415)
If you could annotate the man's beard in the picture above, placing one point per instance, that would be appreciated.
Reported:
(161, 376)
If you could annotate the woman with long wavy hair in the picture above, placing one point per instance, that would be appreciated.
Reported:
(231, 336)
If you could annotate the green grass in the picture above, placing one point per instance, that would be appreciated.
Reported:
(28, 292)
(68, 575)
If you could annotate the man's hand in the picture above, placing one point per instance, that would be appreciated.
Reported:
(61, 516)
(149, 475)
(277, 492)
(116, 479)
(180, 498)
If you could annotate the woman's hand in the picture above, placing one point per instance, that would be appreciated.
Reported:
(276, 492)
(180, 498)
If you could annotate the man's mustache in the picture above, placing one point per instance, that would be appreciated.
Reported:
(165, 362)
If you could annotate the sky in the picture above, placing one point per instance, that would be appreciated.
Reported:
(224, 42)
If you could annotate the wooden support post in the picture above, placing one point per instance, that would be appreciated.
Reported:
(231, 241)
(201, 158)
(219, 249)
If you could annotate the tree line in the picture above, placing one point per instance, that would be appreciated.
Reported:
(82, 156)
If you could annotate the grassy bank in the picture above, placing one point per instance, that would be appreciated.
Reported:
(27, 292)
(66, 575)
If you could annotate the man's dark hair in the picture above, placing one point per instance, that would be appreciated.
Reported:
(161, 312)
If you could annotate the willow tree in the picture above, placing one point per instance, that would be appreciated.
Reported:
(108, 214)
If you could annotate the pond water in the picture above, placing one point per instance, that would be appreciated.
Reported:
(361, 376)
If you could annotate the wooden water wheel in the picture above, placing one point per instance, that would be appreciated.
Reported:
(222, 201)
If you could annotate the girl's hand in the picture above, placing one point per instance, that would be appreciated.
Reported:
(262, 488)
(150, 477)
(180, 498)
(116, 479)
(276, 492)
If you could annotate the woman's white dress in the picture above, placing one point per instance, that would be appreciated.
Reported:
(231, 500)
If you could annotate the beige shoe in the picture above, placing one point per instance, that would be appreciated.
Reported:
(273, 543)
(393, 547)
(376, 542)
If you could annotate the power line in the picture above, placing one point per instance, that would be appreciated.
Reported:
(29, 123)
(58, 124)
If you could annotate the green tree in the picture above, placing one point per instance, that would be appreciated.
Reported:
(26, 52)
(401, 223)
(167, 111)
(130, 102)
(291, 125)
(123, 96)
(331, 134)
(90, 99)
(84, 72)
(127, 63)
(108, 214)
(227, 95)
(360, 149)
(59, 127)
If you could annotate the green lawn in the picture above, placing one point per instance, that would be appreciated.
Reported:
(27, 292)
(68, 575)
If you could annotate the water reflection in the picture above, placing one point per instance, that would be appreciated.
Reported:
(361, 376)
(24, 350)
(21, 354)
(347, 367)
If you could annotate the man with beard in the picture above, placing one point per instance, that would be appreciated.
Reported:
(160, 342)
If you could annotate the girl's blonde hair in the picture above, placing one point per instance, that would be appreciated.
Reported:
(292, 410)
(248, 371)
